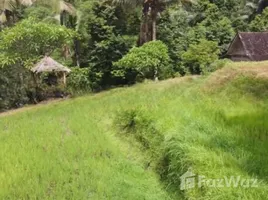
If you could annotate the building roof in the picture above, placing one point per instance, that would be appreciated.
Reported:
(47, 64)
(255, 45)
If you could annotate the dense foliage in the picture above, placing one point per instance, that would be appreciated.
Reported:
(216, 125)
(96, 36)
(200, 56)
(28, 40)
(150, 61)
(16, 87)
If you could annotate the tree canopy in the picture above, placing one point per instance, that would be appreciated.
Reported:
(109, 42)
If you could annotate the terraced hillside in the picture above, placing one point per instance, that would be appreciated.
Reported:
(136, 143)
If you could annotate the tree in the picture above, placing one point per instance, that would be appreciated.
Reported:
(28, 40)
(199, 56)
(218, 28)
(148, 61)
(260, 23)
(10, 8)
(172, 30)
(150, 10)
(102, 40)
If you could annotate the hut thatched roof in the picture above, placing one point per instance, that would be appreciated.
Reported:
(47, 64)
(253, 45)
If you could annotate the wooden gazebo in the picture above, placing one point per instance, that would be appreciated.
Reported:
(47, 64)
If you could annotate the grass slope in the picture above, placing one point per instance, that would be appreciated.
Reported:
(113, 145)
(66, 151)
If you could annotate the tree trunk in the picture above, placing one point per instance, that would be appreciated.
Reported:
(154, 27)
(156, 74)
(144, 29)
(154, 11)
(77, 52)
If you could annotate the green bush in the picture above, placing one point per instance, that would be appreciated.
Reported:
(16, 87)
(151, 61)
(199, 56)
(78, 80)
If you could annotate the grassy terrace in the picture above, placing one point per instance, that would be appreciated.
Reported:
(80, 149)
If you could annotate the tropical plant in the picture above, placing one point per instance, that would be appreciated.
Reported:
(151, 10)
(150, 61)
(200, 56)
(16, 87)
(102, 40)
(78, 80)
(260, 23)
(10, 8)
(28, 40)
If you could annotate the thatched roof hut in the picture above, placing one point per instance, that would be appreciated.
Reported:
(249, 46)
(47, 64)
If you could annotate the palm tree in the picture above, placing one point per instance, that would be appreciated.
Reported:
(60, 8)
(150, 9)
(9, 7)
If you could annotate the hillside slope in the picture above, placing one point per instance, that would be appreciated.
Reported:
(120, 144)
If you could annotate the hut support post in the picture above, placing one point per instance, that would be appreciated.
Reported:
(64, 78)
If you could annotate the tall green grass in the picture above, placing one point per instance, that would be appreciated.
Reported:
(66, 151)
(120, 144)
(217, 134)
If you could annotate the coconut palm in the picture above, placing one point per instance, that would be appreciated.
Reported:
(58, 6)
(150, 9)
(9, 7)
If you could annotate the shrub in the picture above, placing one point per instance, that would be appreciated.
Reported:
(150, 61)
(78, 80)
(16, 87)
(199, 56)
